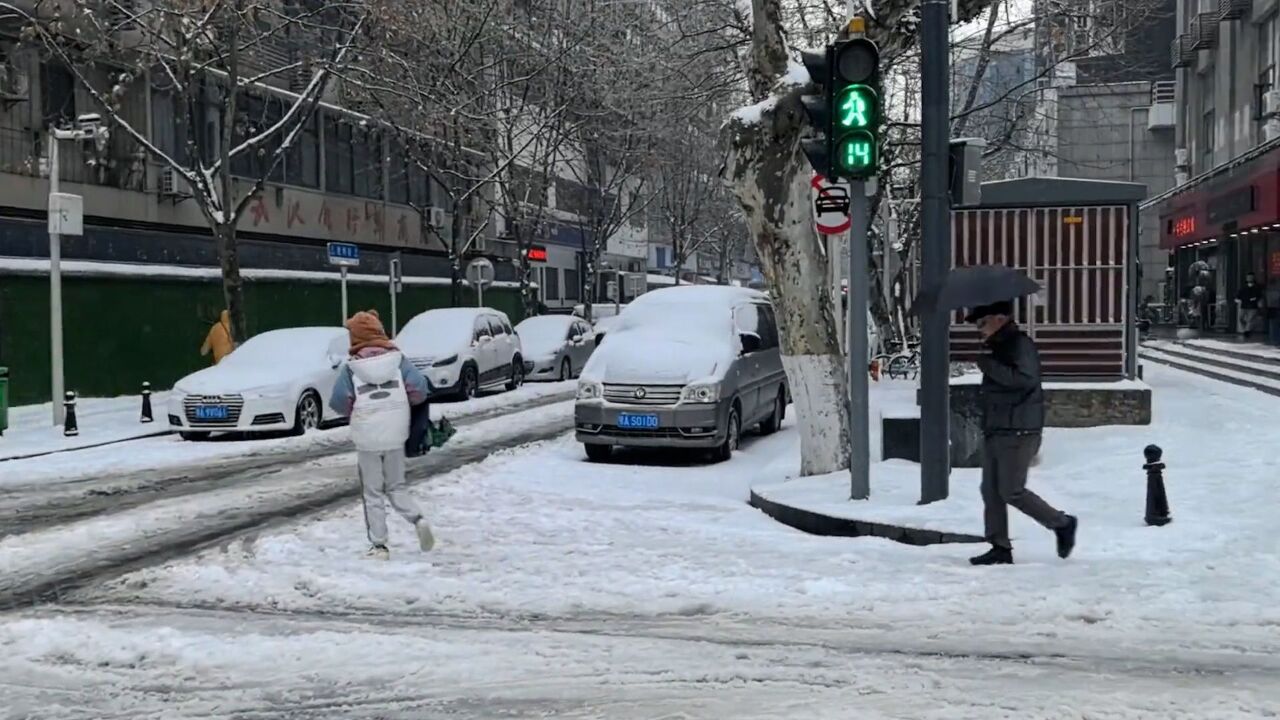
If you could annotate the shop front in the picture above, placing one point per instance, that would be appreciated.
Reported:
(1218, 230)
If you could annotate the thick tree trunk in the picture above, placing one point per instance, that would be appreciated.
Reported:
(232, 282)
(770, 177)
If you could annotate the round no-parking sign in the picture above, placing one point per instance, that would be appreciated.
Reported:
(830, 206)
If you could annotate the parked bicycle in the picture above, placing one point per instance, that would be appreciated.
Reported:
(900, 361)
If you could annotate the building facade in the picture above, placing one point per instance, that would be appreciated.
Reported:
(1224, 211)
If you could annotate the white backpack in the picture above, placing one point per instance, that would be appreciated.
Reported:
(380, 416)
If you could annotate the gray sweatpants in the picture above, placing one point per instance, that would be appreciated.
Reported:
(382, 476)
(1005, 462)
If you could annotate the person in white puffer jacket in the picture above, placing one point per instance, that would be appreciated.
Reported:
(376, 389)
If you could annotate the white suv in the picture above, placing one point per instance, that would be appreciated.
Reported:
(464, 350)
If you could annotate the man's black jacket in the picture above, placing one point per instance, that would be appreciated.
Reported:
(1012, 400)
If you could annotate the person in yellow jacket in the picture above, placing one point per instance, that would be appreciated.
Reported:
(218, 341)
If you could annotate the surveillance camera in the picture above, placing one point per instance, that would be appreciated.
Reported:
(89, 121)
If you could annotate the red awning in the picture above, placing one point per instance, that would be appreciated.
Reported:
(1239, 198)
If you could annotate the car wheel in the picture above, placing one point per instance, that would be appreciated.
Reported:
(469, 385)
(732, 435)
(566, 370)
(773, 423)
(307, 416)
(599, 453)
(517, 373)
(194, 436)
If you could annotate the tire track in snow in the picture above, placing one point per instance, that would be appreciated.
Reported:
(43, 566)
(27, 509)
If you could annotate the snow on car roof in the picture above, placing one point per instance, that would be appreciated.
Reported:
(286, 344)
(722, 295)
(442, 329)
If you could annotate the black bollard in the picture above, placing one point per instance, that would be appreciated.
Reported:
(1157, 500)
(69, 427)
(146, 402)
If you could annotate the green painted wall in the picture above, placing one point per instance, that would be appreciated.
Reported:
(121, 331)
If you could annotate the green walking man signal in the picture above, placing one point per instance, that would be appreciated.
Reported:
(848, 111)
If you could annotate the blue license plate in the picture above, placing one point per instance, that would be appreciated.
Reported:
(633, 421)
(211, 412)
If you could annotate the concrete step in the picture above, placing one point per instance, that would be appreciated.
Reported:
(1195, 354)
(1255, 354)
(1242, 377)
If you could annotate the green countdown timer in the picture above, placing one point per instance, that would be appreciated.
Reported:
(856, 154)
(856, 108)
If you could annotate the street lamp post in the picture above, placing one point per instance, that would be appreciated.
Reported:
(88, 128)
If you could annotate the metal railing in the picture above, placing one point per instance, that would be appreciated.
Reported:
(22, 153)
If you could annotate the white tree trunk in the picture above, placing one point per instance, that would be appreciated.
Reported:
(768, 173)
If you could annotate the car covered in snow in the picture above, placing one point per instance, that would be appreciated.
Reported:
(683, 367)
(463, 351)
(556, 347)
(277, 380)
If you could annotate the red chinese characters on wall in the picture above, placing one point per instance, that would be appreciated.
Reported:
(295, 214)
(326, 217)
(258, 210)
(402, 229)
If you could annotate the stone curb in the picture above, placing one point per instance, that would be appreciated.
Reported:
(819, 524)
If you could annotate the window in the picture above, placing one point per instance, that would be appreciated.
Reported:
(495, 327)
(768, 327)
(572, 286)
(482, 330)
(397, 173)
(302, 162)
(58, 94)
(1268, 48)
(1207, 119)
(551, 283)
(506, 325)
(337, 156)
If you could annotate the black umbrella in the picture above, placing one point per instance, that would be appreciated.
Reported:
(970, 287)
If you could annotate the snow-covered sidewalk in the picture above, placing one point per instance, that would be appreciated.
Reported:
(100, 421)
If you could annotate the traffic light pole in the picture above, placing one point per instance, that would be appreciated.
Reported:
(935, 367)
(856, 342)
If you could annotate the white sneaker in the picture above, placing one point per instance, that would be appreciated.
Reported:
(378, 552)
(426, 540)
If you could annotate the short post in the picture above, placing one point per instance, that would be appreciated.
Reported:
(146, 403)
(69, 427)
(1157, 501)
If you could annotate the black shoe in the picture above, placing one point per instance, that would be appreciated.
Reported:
(1067, 537)
(995, 556)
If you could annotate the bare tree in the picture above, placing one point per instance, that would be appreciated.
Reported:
(241, 80)
(769, 175)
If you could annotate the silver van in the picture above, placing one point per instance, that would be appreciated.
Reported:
(684, 367)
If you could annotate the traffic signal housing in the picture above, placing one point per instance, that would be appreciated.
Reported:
(856, 120)
(848, 111)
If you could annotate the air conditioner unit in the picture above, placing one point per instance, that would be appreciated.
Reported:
(1271, 130)
(15, 83)
(1181, 158)
(1271, 103)
(168, 182)
(436, 218)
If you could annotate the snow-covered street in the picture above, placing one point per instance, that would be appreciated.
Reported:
(568, 589)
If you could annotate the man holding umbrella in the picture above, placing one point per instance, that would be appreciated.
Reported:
(1012, 401)
(1012, 422)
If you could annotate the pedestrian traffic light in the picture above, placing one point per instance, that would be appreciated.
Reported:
(855, 73)
(847, 112)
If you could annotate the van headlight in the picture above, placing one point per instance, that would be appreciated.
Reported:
(590, 390)
(701, 393)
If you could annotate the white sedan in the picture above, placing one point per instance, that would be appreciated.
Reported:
(279, 380)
